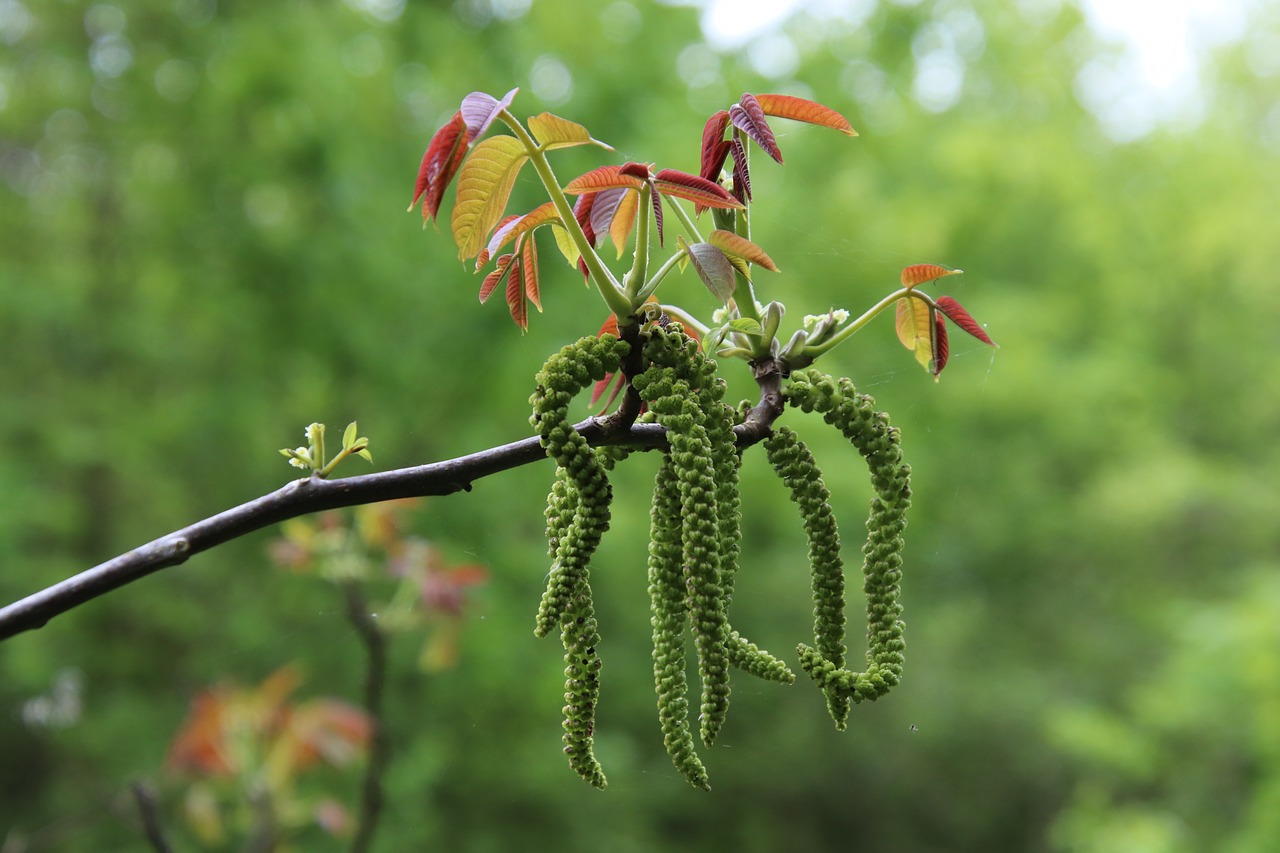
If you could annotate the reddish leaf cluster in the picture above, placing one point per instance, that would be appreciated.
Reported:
(919, 320)
(748, 117)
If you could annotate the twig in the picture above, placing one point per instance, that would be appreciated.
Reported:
(375, 679)
(145, 796)
(302, 497)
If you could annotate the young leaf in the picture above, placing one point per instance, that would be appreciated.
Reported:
(941, 350)
(516, 298)
(493, 279)
(655, 198)
(741, 172)
(918, 274)
(713, 147)
(694, 189)
(483, 189)
(740, 247)
(551, 131)
(443, 156)
(748, 117)
(529, 266)
(349, 435)
(565, 244)
(713, 268)
(746, 325)
(480, 109)
(961, 318)
(607, 207)
(915, 329)
(517, 225)
(636, 170)
(799, 109)
(603, 178)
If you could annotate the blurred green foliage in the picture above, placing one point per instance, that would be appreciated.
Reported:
(203, 248)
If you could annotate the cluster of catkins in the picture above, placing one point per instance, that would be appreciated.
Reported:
(695, 533)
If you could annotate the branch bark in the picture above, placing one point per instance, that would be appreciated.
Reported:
(305, 496)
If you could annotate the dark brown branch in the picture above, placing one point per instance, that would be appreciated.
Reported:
(144, 794)
(375, 680)
(302, 497)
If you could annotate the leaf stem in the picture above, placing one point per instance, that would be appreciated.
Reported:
(845, 333)
(635, 282)
(610, 290)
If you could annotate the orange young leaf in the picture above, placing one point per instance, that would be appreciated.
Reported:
(483, 189)
(516, 299)
(736, 246)
(693, 188)
(916, 329)
(529, 266)
(748, 117)
(961, 318)
(603, 178)
(800, 109)
(493, 279)
(551, 131)
(517, 225)
(918, 274)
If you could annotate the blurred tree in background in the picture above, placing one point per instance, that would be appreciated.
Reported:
(203, 248)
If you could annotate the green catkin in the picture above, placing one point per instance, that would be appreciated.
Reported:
(879, 443)
(670, 611)
(576, 531)
(580, 636)
(665, 386)
(576, 536)
(796, 467)
(753, 660)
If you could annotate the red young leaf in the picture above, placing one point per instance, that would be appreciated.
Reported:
(656, 199)
(515, 297)
(748, 117)
(961, 318)
(480, 109)
(941, 351)
(440, 163)
(635, 170)
(695, 189)
(493, 279)
(529, 265)
(713, 147)
(741, 173)
(918, 274)
(799, 109)
(603, 178)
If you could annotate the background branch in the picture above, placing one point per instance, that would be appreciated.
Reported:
(302, 497)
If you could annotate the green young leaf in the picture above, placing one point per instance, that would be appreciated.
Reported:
(484, 186)
(713, 268)
(566, 245)
(746, 325)
(551, 131)
(349, 435)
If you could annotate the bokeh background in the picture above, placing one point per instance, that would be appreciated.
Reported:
(203, 248)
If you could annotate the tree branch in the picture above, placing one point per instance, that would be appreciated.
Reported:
(302, 497)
